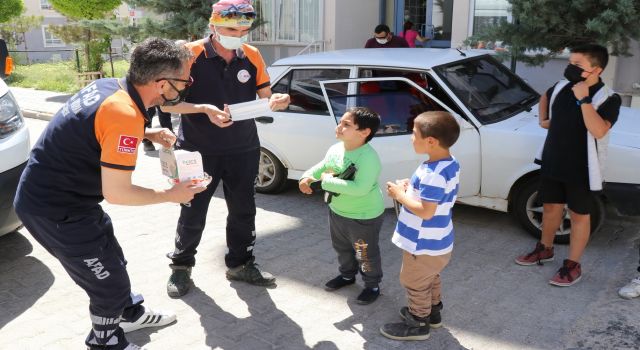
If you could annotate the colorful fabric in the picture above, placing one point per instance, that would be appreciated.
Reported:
(232, 13)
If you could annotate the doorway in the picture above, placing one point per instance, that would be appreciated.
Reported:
(432, 19)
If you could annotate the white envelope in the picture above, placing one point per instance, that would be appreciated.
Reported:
(249, 110)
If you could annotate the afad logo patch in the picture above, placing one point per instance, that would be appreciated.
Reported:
(127, 144)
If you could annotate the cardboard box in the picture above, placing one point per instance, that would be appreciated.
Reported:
(181, 165)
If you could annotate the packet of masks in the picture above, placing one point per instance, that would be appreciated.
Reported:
(249, 110)
(181, 165)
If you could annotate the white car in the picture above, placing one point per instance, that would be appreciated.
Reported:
(14, 150)
(497, 112)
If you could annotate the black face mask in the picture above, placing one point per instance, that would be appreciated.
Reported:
(573, 73)
(182, 95)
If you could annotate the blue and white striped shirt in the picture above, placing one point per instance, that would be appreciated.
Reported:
(433, 182)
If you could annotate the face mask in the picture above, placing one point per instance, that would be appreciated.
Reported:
(231, 42)
(382, 41)
(573, 73)
(182, 95)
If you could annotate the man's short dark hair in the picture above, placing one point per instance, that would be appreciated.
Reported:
(156, 58)
(440, 125)
(382, 28)
(597, 55)
(365, 118)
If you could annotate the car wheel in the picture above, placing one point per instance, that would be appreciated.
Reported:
(272, 175)
(527, 209)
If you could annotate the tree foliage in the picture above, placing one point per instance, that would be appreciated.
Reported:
(10, 9)
(179, 19)
(87, 9)
(14, 31)
(549, 26)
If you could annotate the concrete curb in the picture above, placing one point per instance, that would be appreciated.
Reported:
(37, 115)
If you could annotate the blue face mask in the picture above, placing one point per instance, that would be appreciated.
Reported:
(231, 42)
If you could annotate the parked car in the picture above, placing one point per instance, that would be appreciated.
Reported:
(496, 109)
(14, 148)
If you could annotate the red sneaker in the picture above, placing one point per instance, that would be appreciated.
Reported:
(539, 255)
(569, 274)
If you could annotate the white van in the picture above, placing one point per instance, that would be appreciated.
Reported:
(14, 147)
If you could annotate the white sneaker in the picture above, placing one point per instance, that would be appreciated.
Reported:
(631, 290)
(150, 318)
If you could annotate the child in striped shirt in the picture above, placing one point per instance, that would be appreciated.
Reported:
(424, 229)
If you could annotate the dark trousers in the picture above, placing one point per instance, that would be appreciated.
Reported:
(164, 117)
(238, 174)
(356, 242)
(88, 250)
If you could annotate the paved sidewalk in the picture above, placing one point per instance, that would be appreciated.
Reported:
(490, 302)
(39, 104)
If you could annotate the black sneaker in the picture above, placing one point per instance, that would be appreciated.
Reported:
(338, 283)
(249, 273)
(180, 281)
(148, 145)
(368, 296)
(435, 319)
(413, 328)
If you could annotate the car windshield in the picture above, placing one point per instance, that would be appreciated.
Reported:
(490, 91)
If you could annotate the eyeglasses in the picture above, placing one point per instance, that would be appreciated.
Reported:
(187, 83)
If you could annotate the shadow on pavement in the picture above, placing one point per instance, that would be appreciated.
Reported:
(267, 327)
(20, 272)
(58, 98)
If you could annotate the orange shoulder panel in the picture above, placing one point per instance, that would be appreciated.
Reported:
(119, 128)
(252, 53)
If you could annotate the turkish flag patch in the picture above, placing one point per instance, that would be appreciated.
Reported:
(127, 144)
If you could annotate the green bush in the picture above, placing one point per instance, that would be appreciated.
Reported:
(58, 76)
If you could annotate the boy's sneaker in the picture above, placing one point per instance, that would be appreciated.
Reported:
(179, 281)
(413, 328)
(249, 273)
(149, 318)
(338, 283)
(568, 274)
(539, 255)
(435, 319)
(631, 290)
(368, 296)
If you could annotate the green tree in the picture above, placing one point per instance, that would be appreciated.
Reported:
(547, 27)
(179, 19)
(85, 9)
(95, 43)
(10, 9)
(14, 32)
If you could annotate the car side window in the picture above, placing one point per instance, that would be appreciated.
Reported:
(397, 102)
(304, 88)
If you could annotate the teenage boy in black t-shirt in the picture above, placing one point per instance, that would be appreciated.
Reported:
(565, 174)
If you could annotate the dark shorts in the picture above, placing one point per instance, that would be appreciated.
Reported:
(578, 198)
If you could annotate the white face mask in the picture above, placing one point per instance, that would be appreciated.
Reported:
(382, 41)
(231, 42)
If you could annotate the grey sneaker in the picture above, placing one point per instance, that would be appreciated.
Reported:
(180, 281)
(249, 273)
(413, 328)
(435, 319)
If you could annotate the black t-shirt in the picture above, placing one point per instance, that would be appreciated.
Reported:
(565, 150)
(395, 42)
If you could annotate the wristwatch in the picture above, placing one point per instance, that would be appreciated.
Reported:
(584, 100)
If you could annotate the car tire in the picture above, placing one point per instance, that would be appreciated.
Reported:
(527, 210)
(272, 175)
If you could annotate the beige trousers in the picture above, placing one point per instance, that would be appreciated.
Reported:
(420, 276)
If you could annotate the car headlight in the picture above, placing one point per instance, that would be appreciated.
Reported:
(10, 116)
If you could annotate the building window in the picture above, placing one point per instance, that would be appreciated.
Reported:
(45, 5)
(287, 21)
(488, 13)
(51, 40)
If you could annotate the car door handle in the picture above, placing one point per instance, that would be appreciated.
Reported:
(264, 120)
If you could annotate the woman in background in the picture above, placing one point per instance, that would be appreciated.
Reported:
(411, 35)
